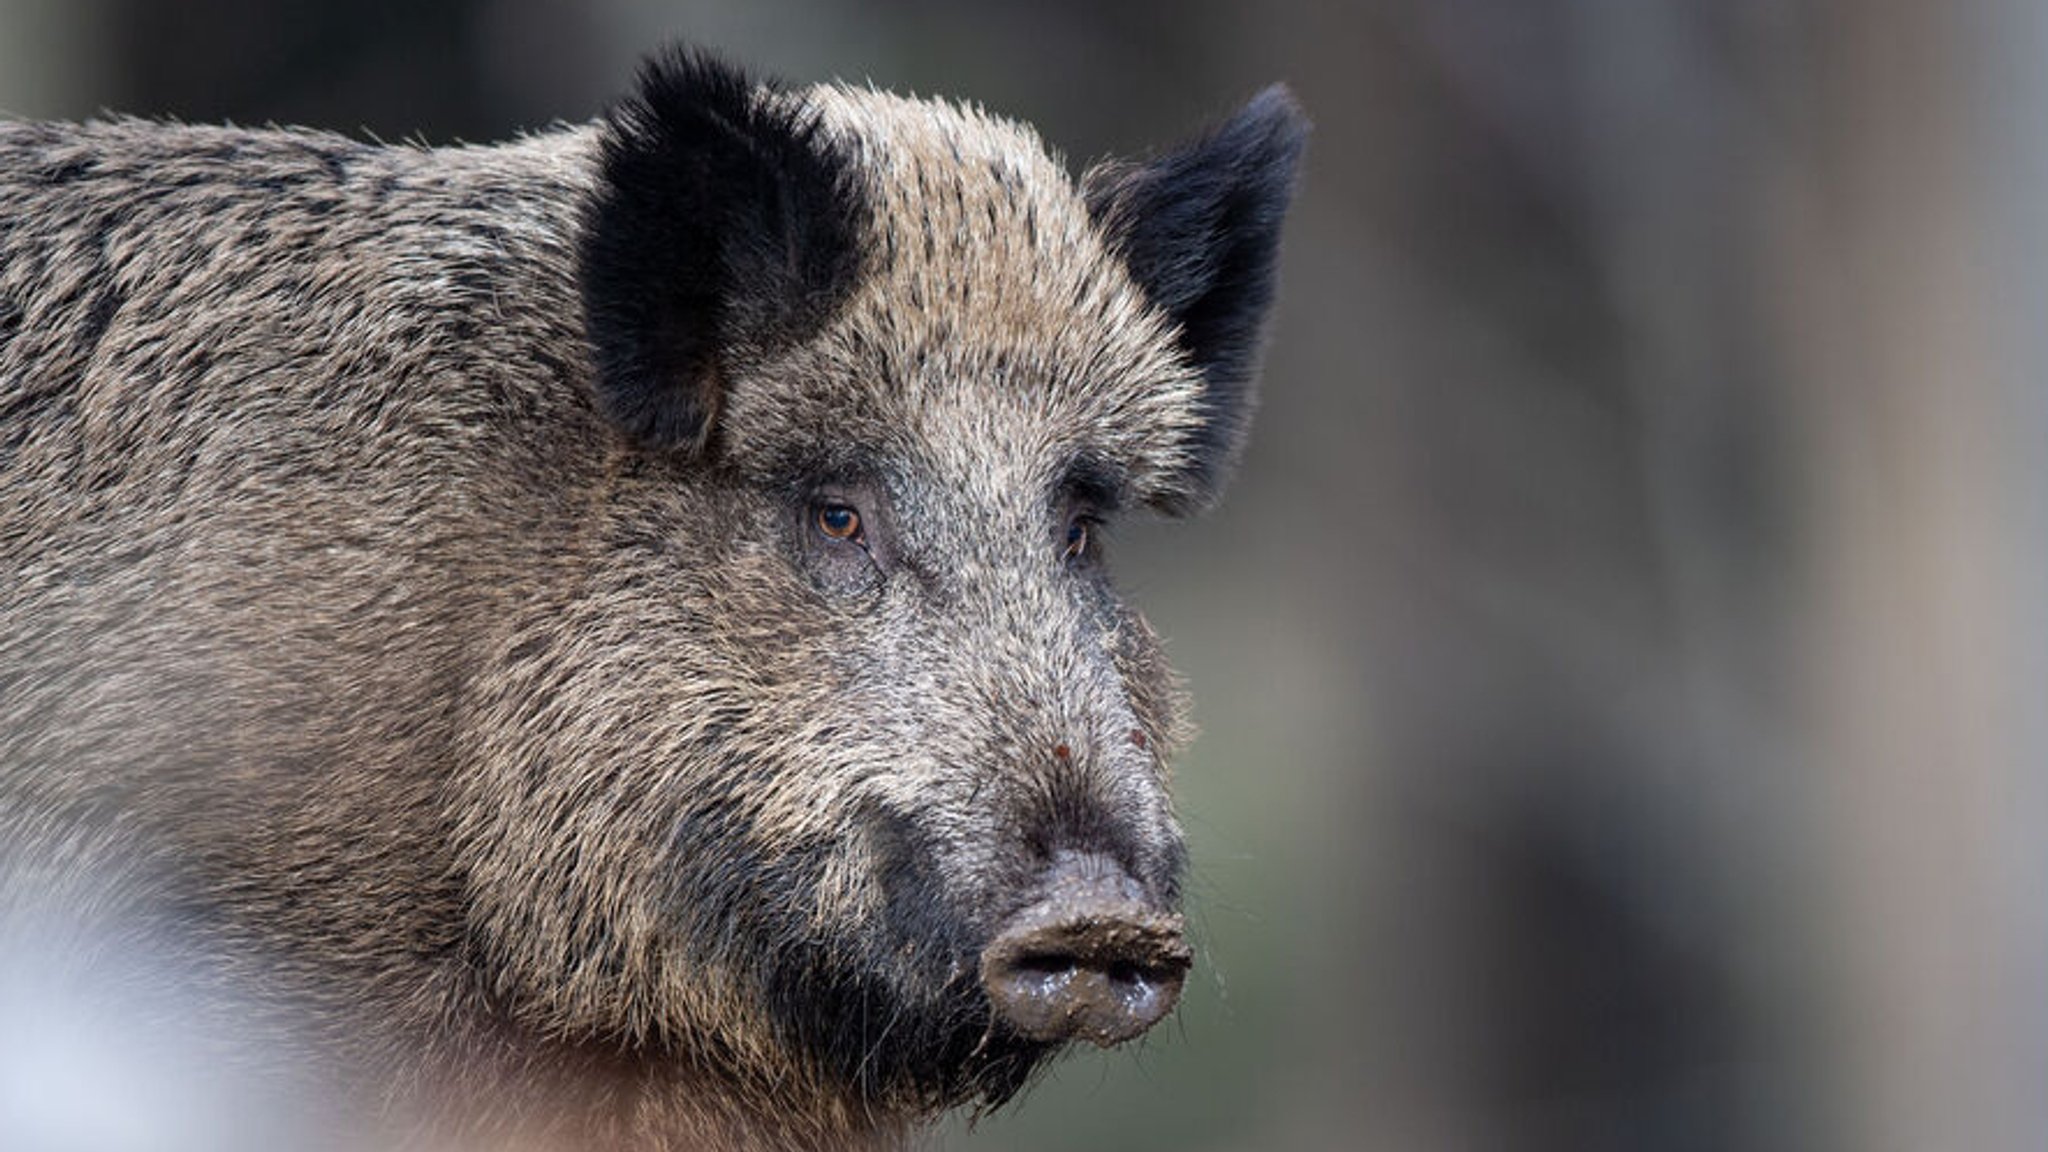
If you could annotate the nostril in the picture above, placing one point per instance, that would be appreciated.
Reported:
(1050, 964)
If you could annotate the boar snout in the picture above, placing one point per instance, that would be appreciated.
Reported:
(1093, 960)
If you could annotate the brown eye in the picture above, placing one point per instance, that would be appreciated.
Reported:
(838, 522)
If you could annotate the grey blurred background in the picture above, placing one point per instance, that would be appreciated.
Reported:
(1622, 657)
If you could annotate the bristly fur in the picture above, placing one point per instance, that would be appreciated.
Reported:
(722, 227)
(1200, 230)
(411, 587)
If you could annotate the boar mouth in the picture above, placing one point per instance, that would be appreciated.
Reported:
(897, 1043)
(891, 1007)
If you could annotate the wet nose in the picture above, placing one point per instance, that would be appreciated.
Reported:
(1093, 960)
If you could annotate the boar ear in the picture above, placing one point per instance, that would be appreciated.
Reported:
(722, 227)
(1199, 229)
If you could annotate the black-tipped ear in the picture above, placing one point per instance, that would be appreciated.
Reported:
(1199, 229)
(723, 226)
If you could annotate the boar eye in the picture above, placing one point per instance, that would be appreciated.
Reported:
(838, 522)
(1076, 546)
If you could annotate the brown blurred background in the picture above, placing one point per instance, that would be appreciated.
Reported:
(1623, 657)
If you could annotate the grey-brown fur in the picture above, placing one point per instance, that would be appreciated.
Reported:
(483, 746)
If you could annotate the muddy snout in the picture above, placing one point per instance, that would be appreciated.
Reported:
(1093, 960)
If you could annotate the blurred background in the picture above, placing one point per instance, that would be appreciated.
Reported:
(1622, 657)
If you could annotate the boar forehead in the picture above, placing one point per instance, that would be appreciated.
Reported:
(992, 336)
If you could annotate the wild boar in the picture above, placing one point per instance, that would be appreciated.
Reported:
(618, 618)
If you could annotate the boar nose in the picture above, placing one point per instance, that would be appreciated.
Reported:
(1093, 960)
